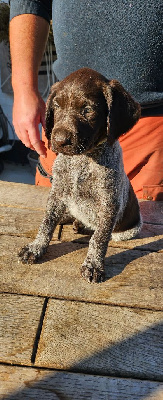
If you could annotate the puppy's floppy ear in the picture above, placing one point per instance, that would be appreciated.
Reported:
(124, 111)
(49, 114)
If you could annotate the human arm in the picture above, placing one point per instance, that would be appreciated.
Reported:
(28, 36)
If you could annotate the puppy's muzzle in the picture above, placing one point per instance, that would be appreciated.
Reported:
(61, 140)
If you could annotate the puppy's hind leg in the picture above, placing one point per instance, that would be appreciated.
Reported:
(33, 251)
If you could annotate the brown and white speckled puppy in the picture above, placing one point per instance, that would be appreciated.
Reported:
(85, 115)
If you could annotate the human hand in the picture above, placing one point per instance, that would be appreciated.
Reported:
(28, 113)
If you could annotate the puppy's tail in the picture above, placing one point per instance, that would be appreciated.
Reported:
(129, 233)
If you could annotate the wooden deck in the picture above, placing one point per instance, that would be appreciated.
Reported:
(62, 338)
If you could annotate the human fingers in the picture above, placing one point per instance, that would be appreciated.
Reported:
(24, 139)
(28, 113)
(31, 139)
(35, 141)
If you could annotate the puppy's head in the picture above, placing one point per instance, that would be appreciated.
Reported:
(86, 109)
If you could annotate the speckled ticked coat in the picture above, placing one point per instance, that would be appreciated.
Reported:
(85, 115)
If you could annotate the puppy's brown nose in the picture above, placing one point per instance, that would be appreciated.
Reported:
(62, 139)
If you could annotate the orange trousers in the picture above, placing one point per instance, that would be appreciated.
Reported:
(142, 154)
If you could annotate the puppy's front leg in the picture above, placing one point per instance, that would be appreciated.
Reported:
(93, 267)
(33, 251)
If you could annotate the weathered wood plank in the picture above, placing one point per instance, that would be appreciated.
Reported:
(19, 383)
(21, 222)
(150, 238)
(25, 222)
(18, 194)
(22, 208)
(133, 277)
(22, 195)
(100, 339)
(19, 319)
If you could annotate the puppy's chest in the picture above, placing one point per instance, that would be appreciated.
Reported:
(79, 191)
(82, 201)
(82, 180)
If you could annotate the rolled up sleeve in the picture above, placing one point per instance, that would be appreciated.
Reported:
(42, 8)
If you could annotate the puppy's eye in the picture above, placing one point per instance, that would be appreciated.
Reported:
(87, 111)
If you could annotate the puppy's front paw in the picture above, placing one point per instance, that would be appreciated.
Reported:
(92, 273)
(31, 253)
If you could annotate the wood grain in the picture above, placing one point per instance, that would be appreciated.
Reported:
(133, 277)
(19, 383)
(25, 222)
(16, 199)
(19, 319)
(150, 238)
(21, 222)
(18, 194)
(23, 195)
(101, 339)
(114, 328)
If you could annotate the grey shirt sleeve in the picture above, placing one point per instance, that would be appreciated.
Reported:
(42, 8)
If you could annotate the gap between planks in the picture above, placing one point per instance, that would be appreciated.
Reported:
(80, 301)
(69, 371)
(39, 329)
